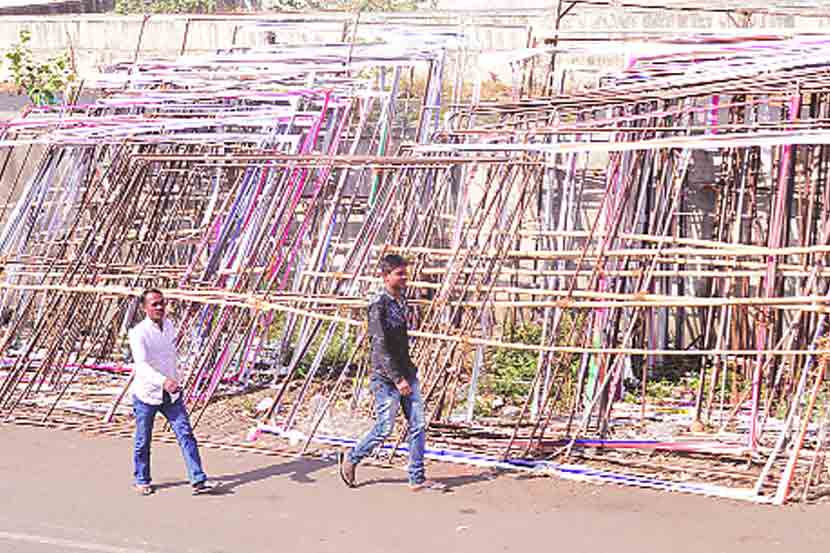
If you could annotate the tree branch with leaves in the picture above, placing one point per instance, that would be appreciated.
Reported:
(42, 81)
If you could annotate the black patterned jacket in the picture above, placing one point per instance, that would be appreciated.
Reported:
(388, 330)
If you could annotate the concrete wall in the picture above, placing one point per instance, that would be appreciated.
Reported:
(599, 18)
(99, 40)
(52, 7)
(630, 20)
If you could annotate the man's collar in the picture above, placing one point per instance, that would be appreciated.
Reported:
(400, 301)
(149, 321)
(385, 291)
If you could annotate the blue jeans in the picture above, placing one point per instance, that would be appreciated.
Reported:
(176, 415)
(387, 399)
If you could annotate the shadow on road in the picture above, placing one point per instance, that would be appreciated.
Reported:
(298, 470)
(452, 482)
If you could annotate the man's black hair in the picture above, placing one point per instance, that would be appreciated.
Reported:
(149, 291)
(391, 262)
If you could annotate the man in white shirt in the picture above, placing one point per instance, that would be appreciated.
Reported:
(156, 388)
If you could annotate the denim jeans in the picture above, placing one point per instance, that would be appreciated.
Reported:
(387, 399)
(176, 414)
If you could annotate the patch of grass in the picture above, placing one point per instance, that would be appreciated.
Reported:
(335, 355)
(510, 371)
(125, 7)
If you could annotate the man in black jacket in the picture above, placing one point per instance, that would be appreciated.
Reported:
(394, 380)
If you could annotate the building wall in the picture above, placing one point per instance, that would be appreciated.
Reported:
(100, 40)
(53, 7)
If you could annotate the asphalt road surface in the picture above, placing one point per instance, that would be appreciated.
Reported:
(62, 491)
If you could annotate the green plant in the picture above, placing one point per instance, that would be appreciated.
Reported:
(125, 7)
(41, 80)
(484, 407)
(349, 5)
(297, 5)
(512, 370)
(248, 405)
(662, 389)
(336, 355)
(380, 5)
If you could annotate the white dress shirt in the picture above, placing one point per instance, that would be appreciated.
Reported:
(154, 360)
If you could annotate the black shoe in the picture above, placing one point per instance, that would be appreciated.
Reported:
(203, 488)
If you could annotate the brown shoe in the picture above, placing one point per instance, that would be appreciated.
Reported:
(143, 489)
(347, 470)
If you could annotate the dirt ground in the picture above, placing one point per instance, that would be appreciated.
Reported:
(62, 491)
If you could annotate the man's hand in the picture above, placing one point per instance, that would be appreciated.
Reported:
(403, 387)
(171, 386)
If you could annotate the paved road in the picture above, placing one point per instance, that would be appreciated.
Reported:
(61, 491)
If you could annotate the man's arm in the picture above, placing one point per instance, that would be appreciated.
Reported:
(180, 376)
(142, 368)
(415, 320)
(377, 331)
